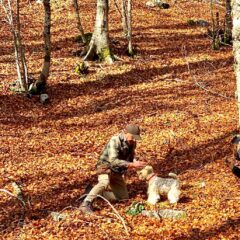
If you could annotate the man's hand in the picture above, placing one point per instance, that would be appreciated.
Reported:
(137, 164)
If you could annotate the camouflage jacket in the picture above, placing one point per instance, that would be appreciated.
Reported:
(117, 153)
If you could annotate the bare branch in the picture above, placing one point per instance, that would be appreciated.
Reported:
(118, 9)
(118, 215)
(12, 195)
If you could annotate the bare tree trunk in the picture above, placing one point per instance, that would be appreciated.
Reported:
(126, 15)
(21, 51)
(228, 23)
(236, 48)
(215, 42)
(129, 23)
(124, 18)
(21, 65)
(77, 16)
(47, 42)
(40, 84)
(99, 44)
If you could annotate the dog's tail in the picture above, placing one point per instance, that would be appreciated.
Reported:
(173, 175)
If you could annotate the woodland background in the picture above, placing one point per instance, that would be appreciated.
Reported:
(51, 150)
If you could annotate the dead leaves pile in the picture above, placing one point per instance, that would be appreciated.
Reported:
(51, 150)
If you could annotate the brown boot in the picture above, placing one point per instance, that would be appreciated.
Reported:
(86, 207)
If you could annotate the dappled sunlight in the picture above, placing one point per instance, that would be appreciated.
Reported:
(177, 89)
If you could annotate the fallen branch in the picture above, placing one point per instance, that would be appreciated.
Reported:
(117, 58)
(118, 215)
(233, 199)
(116, 212)
(68, 207)
(12, 195)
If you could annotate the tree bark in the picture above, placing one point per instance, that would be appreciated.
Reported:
(215, 28)
(126, 14)
(236, 48)
(39, 85)
(124, 18)
(21, 51)
(79, 24)
(129, 24)
(99, 44)
(228, 23)
(15, 27)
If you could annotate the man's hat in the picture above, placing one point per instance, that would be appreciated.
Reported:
(134, 130)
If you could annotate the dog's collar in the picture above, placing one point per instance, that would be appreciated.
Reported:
(151, 176)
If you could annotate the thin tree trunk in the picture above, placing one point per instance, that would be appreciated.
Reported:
(77, 16)
(236, 48)
(213, 27)
(40, 84)
(21, 51)
(129, 24)
(47, 42)
(124, 18)
(17, 59)
(99, 44)
(228, 22)
(21, 65)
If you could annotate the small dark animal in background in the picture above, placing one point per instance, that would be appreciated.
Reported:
(234, 162)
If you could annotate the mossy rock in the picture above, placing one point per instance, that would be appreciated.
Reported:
(165, 213)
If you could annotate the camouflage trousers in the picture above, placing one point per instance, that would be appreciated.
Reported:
(111, 186)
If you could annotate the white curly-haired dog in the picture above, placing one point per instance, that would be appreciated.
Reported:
(158, 186)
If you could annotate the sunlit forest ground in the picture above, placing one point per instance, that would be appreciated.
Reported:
(179, 91)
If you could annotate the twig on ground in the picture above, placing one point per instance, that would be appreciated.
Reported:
(118, 215)
(118, 58)
(12, 195)
(234, 199)
(67, 208)
(174, 79)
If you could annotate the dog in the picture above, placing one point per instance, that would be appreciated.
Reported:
(158, 186)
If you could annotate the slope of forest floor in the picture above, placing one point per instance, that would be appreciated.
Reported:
(176, 88)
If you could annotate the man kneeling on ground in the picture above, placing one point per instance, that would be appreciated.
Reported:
(117, 157)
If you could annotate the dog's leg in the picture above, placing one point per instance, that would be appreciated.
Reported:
(173, 195)
(153, 198)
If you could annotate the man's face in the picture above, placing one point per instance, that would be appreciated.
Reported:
(130, 139)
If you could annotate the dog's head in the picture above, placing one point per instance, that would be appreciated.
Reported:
(145, 172)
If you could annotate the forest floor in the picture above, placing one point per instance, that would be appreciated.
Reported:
(180, 92)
